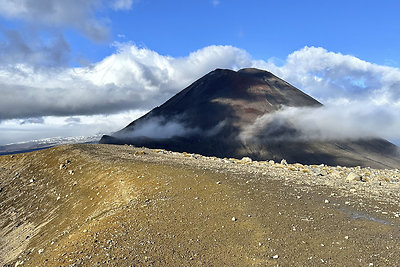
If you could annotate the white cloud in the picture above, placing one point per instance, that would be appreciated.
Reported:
(216, 2)
(160, 128)
(359, 97)
(333, 122)
(163, 128)
(332, 76)
(132, 78)
(17, 130)
(122, 4)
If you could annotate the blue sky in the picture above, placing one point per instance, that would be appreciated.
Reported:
(366, 29)
(84, 67)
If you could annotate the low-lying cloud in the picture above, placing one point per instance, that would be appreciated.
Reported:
(159, 128)
(328, 123)
(162, 128)
(17, 130)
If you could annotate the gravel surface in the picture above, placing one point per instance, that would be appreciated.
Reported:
(121, 205)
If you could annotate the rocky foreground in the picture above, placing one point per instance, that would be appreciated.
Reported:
(120, 205)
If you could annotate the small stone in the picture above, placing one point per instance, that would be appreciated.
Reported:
(234, 219)
(271, 162)
(284, 162)
(259, 244)
(67, 161)
(364, 179)
(246, 159)
(346, 237)
(71, 172)
(62, 166)
(353, 177)
(40, 251)
(219, 182)
(275, 256)
(326, 201)
(32, 180)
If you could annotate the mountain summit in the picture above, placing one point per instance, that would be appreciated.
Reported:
(210, 116)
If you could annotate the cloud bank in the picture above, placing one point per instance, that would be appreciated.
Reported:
(361, 98)
(17, 130)
(160, 128)
(165, 128)
(328, 123)
(132, 78)
(333, 77)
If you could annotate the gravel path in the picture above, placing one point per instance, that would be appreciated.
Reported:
(88, 205)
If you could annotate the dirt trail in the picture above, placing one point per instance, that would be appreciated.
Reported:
(119, 205)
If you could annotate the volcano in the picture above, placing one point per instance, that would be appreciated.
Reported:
(209, 116)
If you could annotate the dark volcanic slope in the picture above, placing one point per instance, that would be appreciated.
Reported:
(216, 108)
(225, 95)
